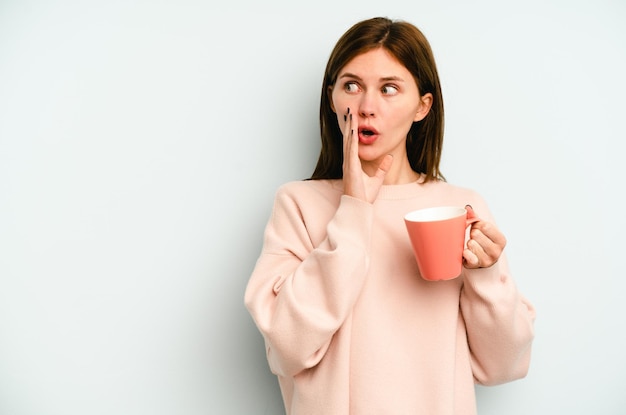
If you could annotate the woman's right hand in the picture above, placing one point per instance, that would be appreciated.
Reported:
(356, 182)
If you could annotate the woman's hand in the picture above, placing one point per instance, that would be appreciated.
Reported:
(485, 245)
(356, 182)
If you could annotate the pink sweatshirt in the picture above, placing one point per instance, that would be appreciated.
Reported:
(351, 328)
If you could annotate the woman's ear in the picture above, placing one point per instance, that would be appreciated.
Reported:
(426, 101)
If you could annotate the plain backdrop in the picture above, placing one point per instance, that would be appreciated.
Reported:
(141, 143)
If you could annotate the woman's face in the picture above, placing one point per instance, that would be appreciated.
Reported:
(384, 99)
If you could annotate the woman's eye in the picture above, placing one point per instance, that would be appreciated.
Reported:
(389, 90)
(351, 87)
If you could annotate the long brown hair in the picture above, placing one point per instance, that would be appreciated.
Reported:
(411, 48)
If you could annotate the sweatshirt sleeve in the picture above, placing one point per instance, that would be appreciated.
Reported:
(499, 321)
(299, 295)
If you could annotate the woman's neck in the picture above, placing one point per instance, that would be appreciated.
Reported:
(400, 171)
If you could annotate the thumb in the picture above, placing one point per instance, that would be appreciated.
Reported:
(384, 166)
(470, 212)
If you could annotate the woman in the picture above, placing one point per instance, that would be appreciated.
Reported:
(349, 325)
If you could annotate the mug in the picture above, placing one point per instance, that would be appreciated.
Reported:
(437, 237)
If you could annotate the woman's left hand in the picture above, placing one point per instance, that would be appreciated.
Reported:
(485, 245)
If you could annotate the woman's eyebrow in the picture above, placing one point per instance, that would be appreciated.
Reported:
(350, 75)
(383, 79)
(392, 78)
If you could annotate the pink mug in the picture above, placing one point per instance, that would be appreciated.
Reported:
(438, 238)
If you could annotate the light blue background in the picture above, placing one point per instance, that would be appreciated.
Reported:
(141, 143)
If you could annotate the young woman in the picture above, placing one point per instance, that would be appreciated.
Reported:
(349, 325)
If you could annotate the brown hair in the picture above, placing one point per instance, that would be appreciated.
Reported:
(411, 48)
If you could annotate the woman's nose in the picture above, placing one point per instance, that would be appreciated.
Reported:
(367, 105)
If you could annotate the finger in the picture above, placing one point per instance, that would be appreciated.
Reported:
(470, 212)
(486, 232)
(487, 245)
(482, 259)
(352, 171)
(346, 134)
(354, 141)
(493, 233)
(487, 252)
(385, 165)
(483, 240)
(350, 143)
(353, 149)
(470, 260)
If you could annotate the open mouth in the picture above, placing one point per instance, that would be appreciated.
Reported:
(367, 135)
(367, 131)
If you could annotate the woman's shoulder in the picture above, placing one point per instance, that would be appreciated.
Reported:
(310, 190)
(447, 190)
(462, 195)
(455, 188)
(304, 187)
